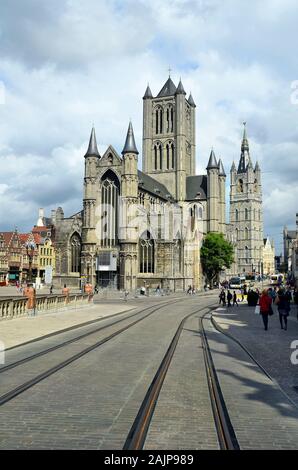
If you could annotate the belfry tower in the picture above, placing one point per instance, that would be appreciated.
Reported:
(246, 213)
(169, 137)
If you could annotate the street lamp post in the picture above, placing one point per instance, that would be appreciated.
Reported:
(30, 247)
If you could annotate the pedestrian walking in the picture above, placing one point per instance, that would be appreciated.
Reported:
(283, 306)
(242, 294)
(229, 298)
(126, 295)
(222, 297)
(235, 302)
(189, 290)
(65, 292)
(265, 303)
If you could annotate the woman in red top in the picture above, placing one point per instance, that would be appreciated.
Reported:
(265, 307)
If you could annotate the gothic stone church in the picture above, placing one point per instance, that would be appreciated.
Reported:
(144, 228)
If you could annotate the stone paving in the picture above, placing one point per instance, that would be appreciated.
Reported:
(271, 348)
(20, 330)
(183, 417)
(262, 415)
(93, 402)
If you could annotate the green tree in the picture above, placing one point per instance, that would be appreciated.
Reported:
(216, 255)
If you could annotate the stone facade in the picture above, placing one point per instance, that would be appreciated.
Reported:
(246, 212)
(268, 257)
(144, 228)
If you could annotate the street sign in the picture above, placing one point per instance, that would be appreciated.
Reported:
(48, 275)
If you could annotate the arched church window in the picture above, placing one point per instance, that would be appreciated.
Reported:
(155, 157)
(246, 214)
(237, 234)
(246, 233)
(110, 190)
(173, 155)
(168, 120)
(256, 186)
(161, 121)
(146, 253)
(156, 121)
(237, 215)
(240, 186)
(168, 156)
(75, 246)
(160, 156)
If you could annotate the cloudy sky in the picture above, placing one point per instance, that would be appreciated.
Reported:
(65, 64)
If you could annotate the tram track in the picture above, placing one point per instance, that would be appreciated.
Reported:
(9, 395)
(136, 437)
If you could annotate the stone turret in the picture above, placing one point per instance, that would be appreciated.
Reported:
(92, 157)
(222, 197)
(213, 193)
(129, 234)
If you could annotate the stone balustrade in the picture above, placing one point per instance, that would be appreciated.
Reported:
(13, 308)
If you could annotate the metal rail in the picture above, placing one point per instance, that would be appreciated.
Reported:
(138, 432)
(30, 383)
(225, 432)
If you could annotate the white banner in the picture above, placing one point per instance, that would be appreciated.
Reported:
(48, 275)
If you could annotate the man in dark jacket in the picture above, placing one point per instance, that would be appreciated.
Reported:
(229, 298)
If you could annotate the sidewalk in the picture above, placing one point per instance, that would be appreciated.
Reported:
(272, 348)
(20, 330)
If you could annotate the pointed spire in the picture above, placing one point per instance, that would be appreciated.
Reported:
(221, 168)
(168, 89)
(257, 166)
(244, 146)
(233, 167)
(180, 90)
(212, 161)
(92, 149)
(244, 161)
(191, 101)
(130, 145)
(148, 93)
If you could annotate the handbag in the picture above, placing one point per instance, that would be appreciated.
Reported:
(271, 311)
(257, 310)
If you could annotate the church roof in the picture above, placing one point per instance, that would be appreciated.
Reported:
(153, 186)
(169, 89)
(196, 187)
(291, 234)
(212, 161)
(221, 168)
(180, 90)
(191, 101)
(92, 149)
(148, 93)
(130, 145)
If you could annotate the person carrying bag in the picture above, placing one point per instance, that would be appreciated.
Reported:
(265, 304)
